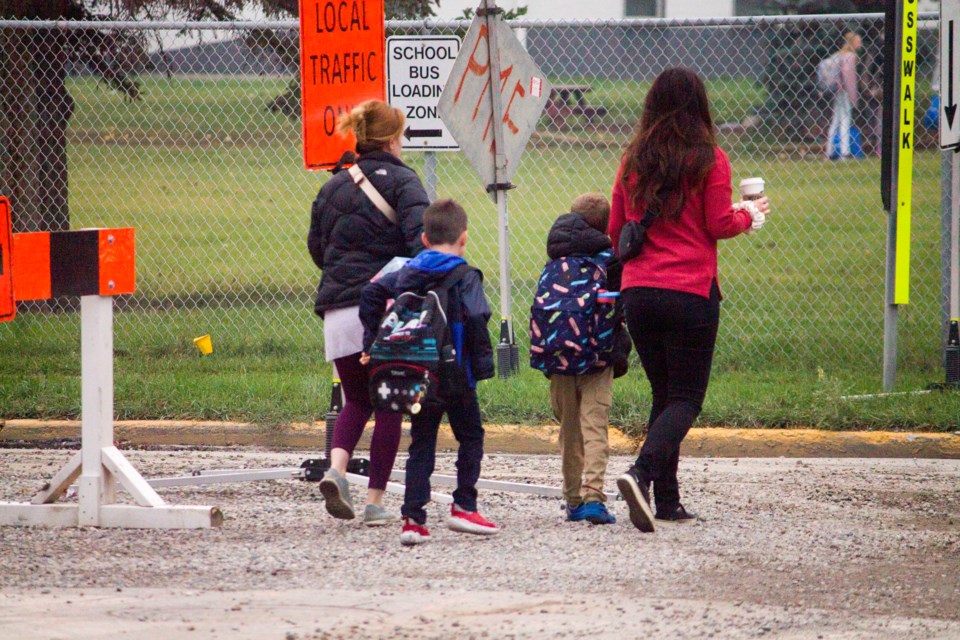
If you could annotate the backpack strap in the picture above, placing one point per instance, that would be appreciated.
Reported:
(360, 179)
(453, 277)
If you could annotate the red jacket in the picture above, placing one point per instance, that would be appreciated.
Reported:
(681, 254)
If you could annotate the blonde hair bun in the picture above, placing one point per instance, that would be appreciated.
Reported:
(373, 123)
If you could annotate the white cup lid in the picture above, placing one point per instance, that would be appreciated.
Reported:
(751, 185)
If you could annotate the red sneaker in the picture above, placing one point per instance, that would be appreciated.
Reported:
(470, 522)
(413, 534)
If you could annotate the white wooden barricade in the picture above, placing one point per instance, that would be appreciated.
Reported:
(99, 466)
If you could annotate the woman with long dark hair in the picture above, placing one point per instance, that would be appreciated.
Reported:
(674, 170)
(350, 239)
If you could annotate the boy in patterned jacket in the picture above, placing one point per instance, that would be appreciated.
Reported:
(582, 361)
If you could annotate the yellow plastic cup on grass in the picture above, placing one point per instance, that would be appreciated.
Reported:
(205, 344)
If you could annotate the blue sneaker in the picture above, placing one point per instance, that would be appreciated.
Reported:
(577, 513)
(596, 513)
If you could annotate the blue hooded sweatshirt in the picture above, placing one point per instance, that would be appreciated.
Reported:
(467, 309)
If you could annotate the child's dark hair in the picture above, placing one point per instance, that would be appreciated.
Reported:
(444, 222)
(594, 208)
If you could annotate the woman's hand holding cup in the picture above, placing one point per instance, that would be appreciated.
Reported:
(756, 203)
(763, 204)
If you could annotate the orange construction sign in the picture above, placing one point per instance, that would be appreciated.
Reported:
(8, 307)
(341, 65)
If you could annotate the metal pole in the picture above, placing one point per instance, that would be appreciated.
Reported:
(506, 301)
(955, 239)
(430, 174)
(891, 310)
(952, 352)
(946, 255)
(507, 352)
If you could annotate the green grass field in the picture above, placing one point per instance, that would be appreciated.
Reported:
(214, 185)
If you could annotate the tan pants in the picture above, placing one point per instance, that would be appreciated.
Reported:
(582, 405)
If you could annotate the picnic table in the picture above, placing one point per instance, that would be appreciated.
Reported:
(569, 101)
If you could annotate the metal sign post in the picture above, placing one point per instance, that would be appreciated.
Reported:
(952, 356)
(899, 74)
(508, 354)
(950, 143)
(491, 105)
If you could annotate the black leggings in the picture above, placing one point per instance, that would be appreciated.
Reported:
(674, 333)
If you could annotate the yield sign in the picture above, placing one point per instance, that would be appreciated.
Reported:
(466, 105)
(949, 71)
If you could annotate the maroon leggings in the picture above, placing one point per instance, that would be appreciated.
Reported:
(356, 411)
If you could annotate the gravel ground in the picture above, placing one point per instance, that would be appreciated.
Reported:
(787, 548)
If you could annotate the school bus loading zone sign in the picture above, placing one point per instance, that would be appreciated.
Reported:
(341, 65)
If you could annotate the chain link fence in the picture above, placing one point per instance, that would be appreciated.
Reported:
(190, 132)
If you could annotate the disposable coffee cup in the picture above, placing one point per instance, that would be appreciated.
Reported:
(751, 188)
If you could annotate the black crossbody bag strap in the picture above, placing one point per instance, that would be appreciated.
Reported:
(652, 212)
(632, 238)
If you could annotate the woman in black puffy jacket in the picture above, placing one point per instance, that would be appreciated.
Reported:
(351, 240)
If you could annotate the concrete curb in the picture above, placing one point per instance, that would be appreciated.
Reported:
(712, 442)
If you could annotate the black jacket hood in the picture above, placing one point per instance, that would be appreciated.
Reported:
(571, 235)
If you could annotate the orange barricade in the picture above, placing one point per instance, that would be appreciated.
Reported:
(48, 264)
(8, 307)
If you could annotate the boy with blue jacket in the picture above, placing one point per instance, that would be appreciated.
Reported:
(467, 311)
